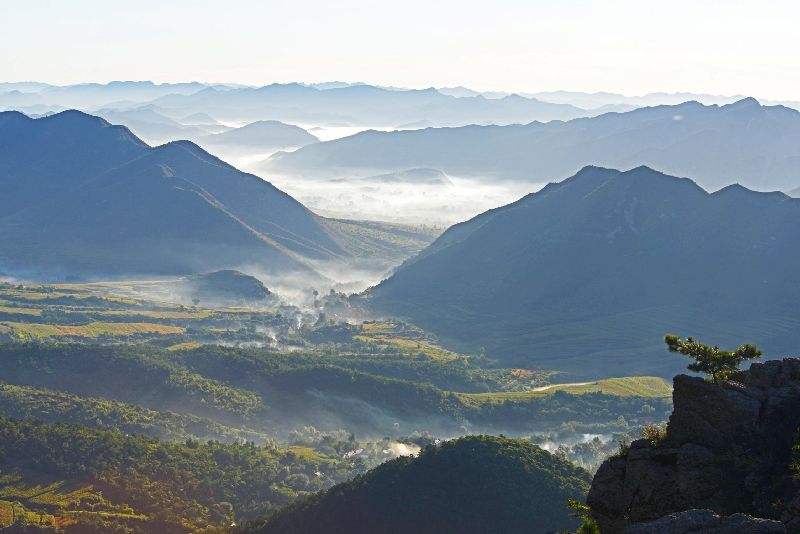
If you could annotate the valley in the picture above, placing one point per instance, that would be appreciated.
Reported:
(271, 383)
(425, 268)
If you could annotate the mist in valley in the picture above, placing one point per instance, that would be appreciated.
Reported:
(247, 288)
(407, 203)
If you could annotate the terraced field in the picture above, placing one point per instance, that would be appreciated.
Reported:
(39, 312)
(157, 314)
(15, 310)
(93, 330)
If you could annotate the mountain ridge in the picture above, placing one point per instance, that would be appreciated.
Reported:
(751, 143)
(550, 279)
(76, 188)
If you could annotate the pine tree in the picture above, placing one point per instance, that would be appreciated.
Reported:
(718, 363)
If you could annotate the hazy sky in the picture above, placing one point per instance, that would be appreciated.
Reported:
(629, 46)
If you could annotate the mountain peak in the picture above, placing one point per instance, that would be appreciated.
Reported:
(743, 104)
(8, 117)
(644, 170)
(183, 147)
(739, 193)
(75, 116)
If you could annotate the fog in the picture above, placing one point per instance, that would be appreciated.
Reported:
(408, 203)
(369, 198)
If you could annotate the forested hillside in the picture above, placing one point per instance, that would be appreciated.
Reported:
(88, 480)
(474, 484)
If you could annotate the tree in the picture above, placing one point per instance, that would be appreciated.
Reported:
(714, 361)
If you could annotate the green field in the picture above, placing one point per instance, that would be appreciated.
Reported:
(629, 386)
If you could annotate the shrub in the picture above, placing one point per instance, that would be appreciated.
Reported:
(655, 434)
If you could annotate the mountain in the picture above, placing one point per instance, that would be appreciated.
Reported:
(458, 91)
(150, 125)
(600, 99)
(42, 158)
(476, 484)
(588, 274)
(24, 87)
(362, 105)
(199, 118)
(83, 197)
(758, 146)
(95, 95)
(795, 193)
(263, 135)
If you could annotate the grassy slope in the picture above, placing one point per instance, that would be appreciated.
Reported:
(629, 386)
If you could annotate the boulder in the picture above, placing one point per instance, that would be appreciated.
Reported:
(707, 522)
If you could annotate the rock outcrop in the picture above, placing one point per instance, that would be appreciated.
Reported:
(707, 522)
(728, 448)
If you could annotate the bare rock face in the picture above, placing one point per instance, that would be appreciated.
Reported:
(728, 449)
(707, 522)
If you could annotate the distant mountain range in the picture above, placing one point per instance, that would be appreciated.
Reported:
(364, 105)
(82, 198)
(90, 95)
(588, 274)
(152, 126)
(757, 146)
(609, 101)
(264, 136)
(330, 103)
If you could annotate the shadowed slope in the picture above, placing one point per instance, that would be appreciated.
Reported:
(476, 484)
(588, 274)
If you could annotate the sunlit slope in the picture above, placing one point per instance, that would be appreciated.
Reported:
(630, 386)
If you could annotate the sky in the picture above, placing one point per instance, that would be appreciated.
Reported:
(633, 47)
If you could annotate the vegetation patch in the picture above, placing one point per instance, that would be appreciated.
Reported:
(412, 347)
(19, 310)
(188, 345)
(32, 331)
(157, 314)
(107, 476)
(629, 386)
(468, 485)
